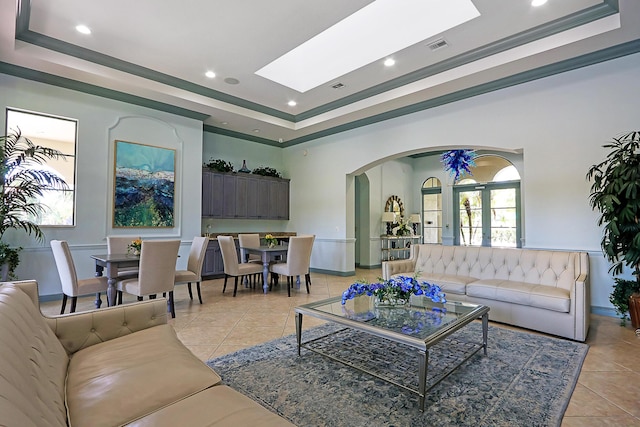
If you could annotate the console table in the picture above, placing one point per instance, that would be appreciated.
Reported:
(397, 247)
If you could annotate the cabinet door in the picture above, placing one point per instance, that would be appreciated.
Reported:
(253, 198)
(229, 196)
(279, 200)
(241, 196)
(212, 190)
(263, 198)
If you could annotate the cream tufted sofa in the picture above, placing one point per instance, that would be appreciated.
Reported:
(116, 366)
(543, 290)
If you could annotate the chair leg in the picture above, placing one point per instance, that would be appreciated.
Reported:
(189, 287)
(119, 297)
(226, 276)
(172, 308)
(98, 301)
(199, 294)
(74, 300)
(235, 287)
(64, 303)
(289, 285)
(307, 281)
(139, 298)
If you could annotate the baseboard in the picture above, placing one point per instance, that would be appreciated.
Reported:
(604, 311)
(333, 273)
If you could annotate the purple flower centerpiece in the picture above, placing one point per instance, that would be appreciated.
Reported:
(395, 291)
(458, 162)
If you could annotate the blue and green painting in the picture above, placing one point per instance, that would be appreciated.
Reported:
(144, 185)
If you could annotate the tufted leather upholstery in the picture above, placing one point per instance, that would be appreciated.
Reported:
(107, 367)
(543, 290)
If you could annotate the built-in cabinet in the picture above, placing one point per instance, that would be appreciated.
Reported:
(213, 265)
(244, 196)
(397, 247)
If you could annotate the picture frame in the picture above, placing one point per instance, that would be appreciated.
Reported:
(144, 186)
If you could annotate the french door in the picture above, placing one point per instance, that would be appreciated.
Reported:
(487, 214)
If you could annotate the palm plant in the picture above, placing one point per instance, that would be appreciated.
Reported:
(23, 182)
(615, 192)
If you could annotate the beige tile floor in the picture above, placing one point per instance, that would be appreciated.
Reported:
(607, 393)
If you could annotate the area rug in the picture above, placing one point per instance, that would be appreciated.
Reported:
(524, 380)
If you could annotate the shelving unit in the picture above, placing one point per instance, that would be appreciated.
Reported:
(397, 247)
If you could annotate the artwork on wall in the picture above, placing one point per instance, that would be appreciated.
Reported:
(144, 187)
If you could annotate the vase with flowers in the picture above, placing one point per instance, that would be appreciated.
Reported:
(135, 247)
(270, 240)
(394, 291)
(402, 227)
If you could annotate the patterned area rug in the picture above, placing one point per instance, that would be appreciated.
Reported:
(525, 380)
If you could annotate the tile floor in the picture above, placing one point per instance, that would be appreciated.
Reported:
(607, 393)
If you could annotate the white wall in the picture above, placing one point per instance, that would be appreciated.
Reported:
(560, 123)
(100, 122)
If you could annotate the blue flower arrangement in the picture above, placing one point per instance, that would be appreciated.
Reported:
(397, 289)
(458, 162)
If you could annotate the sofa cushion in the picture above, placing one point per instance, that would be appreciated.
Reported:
(450, 284)
(152, 369)
(541, 296)
(218, 406)
(33, 364)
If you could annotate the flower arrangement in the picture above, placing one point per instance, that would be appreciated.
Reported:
(266, 171)
(396, 290)
(219, 165)
(135, 247)
(458, 162)
(402, 227)
(270, 240)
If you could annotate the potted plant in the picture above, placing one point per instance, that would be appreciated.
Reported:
(615, 192)
(22, 182)
(219, 165)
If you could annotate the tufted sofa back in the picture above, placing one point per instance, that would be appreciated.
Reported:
(33, 364)
(540, 267)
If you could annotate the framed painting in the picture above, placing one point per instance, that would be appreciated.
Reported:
(144, 186)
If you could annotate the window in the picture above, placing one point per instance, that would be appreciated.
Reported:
(487, 205)
(60, 134)
(432, 211)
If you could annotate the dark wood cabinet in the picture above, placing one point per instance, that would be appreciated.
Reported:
(244, 196)
(213, 265)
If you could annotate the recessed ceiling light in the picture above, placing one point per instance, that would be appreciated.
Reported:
(361, 42)
(292, 103)
(224, 123)
(256, 130)
(389, 62)
(536, 3)
(210, 74)
(231, 81)
(83, 29)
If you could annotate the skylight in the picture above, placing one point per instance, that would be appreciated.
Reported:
(379, 29)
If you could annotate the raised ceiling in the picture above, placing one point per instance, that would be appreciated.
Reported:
(156, 54)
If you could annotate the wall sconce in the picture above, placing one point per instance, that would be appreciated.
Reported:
(414, 219)
(388, 218)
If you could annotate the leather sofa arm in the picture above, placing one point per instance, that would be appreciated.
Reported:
(389, 268)
(80, 330)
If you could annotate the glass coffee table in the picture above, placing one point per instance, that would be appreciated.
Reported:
(419, 325)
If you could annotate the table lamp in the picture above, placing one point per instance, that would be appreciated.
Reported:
(388, 218)
(414, 219)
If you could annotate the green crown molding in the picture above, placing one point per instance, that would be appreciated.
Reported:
(42, 77)
(239, 135)
(23, 33)
(607, 54)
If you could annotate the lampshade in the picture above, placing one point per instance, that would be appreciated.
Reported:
(414, 218)
(388, 217)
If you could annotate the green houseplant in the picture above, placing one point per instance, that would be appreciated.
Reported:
(23, 180)
(615, 192)
(219, 165)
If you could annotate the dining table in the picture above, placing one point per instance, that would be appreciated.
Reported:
(113, 262)
(267, 254)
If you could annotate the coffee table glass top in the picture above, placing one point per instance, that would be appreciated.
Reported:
(422, 320)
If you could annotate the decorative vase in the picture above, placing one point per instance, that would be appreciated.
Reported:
(244, 168)
(390, 301)
(272, 245)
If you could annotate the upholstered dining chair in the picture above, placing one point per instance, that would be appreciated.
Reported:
(193, 273)
(157, 272)
(120, 245)
(231, 265)
(71, 285)
(251, 241)
(298, 261)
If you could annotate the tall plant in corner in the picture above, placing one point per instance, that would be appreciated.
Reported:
(615, 192)
(23, 181)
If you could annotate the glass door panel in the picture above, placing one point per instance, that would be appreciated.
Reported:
(470, 208)
(503, 217)
(432, 218)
